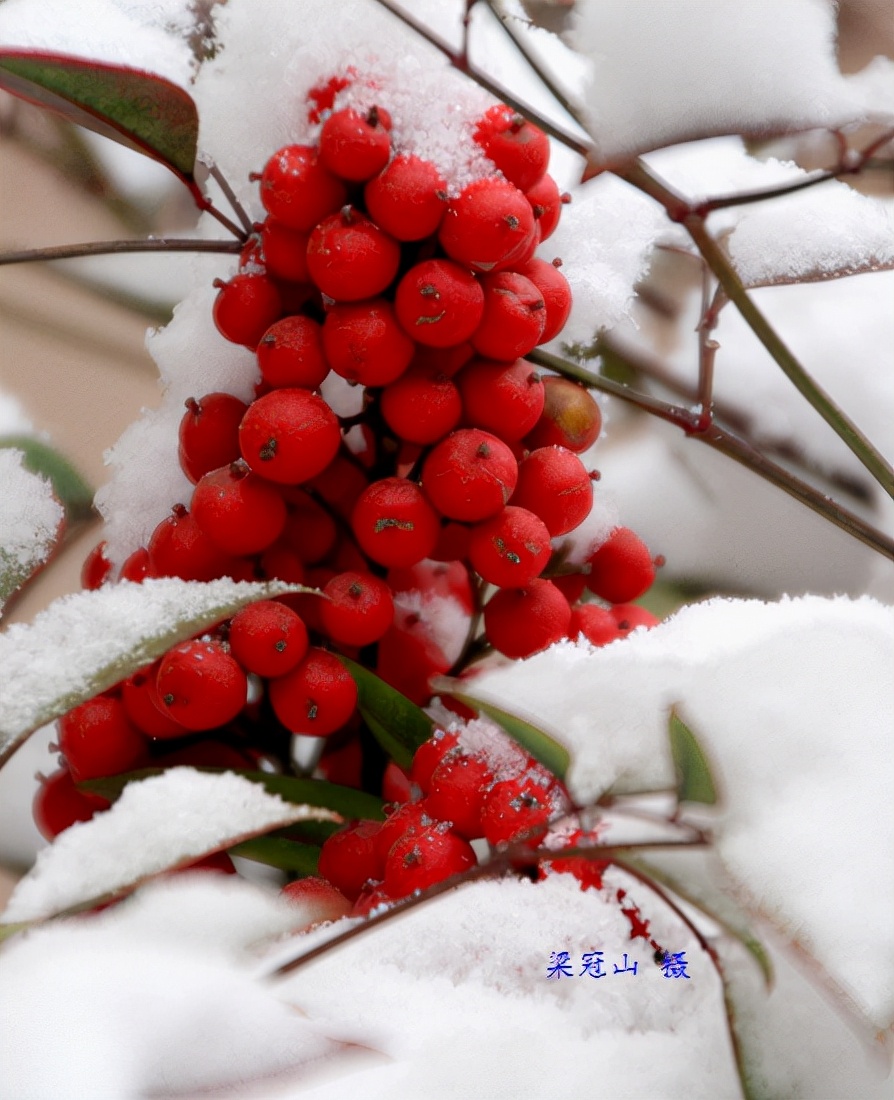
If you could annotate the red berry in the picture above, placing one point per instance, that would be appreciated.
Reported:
(556, 294)
(394, 523)
(245, 308)
(318, 897)
(267, 638)
(396, 784)
(514, 316)
(517, 809)
(511, 549)
(546, 202)
(280, 562)
(310, 530)
(290, 353)
(522, 621)
(406, 820)
(58, 804)
(428, 857)
(503, 398)
(429, 755)
(517, 147)
(438, 303)
(364, 342)
(316, 698)
(489, 222)
(209, 433)
(340, 484)
(587, 871)
(571, 585)
(180, 548)
(570, 417)
(201, 685)
(628, 616)
(408, 199)
(322, 95)
(597, 624)
(350, 258)
(422, 406)
(622, 568)
(554, 484)
(136, 567)
(239, 511)
(297, 189)
(458, 788)
(348, 858)
(470, 475)
(289, 436)
(96, 567)
(354, 146)
(358, 609)
(139, 694)
(97, 738)
(285, 251)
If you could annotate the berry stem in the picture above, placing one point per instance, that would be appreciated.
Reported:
(102, 248)
(725, 441)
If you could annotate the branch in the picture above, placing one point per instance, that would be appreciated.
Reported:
(725, 441)
(104, 248)
(485, 82)
(229, 193)
(680, 210)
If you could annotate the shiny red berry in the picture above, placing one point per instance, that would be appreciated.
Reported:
(97, 738)
(289, 436)
(316, 698)
(503, 398)
(290, 353)
(59, 804)
(514, 316)
(358, 608)
(622, 568)
(516, 146)
(364, 342)
(519, 622)
(488, 224)
(239, 511)
(408, 199)
(422, 406)
(470, 475)
(267, 638)
(297, 189)
(245, 307)
(554, 484)
(394, 523)
(556, 294)
(354, 146)
(201, 685)
(350, 258)
(349, 859)
(439, 303)
(511, 549)
(424, 859)
(209, 433)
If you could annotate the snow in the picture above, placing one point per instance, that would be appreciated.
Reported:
(86, 642)
(793, 703)
(719, 68)
(159, 823)
(13, 419)
(30, 518)
(162, 985)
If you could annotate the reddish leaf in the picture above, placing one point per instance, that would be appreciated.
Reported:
(138, 109)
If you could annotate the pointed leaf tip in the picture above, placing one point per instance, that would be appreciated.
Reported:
(694, 780)
(138, 109)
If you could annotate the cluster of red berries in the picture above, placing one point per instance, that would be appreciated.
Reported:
(458, 473)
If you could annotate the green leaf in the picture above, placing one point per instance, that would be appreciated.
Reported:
(346, 801)
(138, 109)
(75, 494)
(398, 725)
(278, 851)
(84, 643)
(553, 756)
(694, 781)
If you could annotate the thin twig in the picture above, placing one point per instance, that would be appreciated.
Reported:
(707, 348)
(725, 441)
(224, 185)
(104, 248)
(208, 206)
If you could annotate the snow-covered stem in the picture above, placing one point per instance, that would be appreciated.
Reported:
(485, 82)
(104, 248)
(725, 441)
(679, 210)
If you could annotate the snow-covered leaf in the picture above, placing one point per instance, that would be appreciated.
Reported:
(794, 704)
(685, 69)
(398, 725)
(86, 642)
(694, 782)
(551, 754)
(168, 821)
(346, 801)
(141, 110)
(30, 522)
(68, 485)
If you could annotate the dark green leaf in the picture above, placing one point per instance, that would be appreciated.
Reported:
(694, 782)
(553, 756)
(277, 851)
(398, 725)
(68, 485)
(346, 801)
(138, 109)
